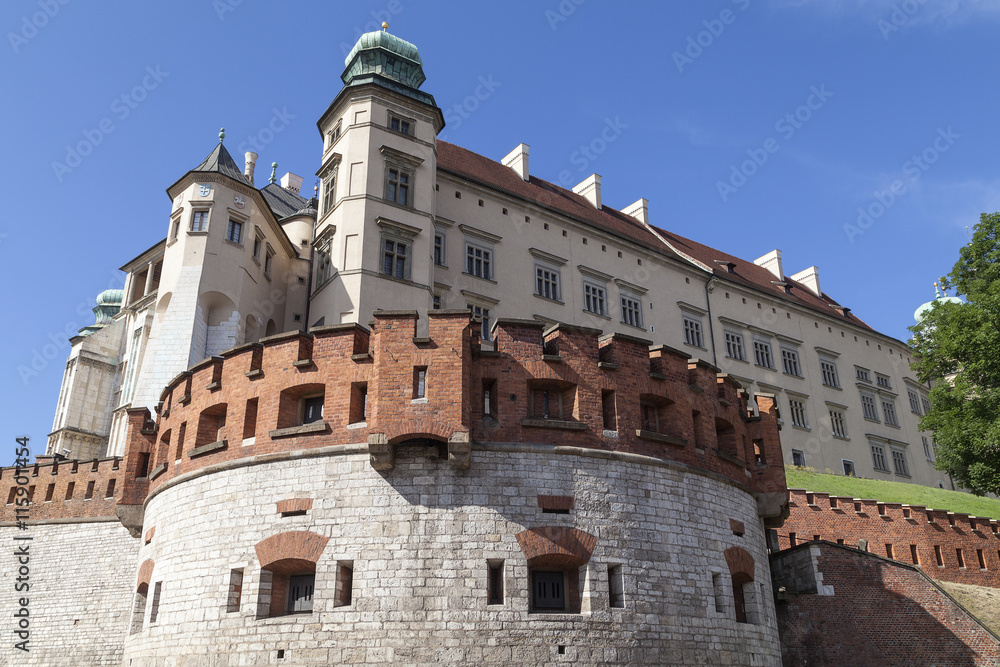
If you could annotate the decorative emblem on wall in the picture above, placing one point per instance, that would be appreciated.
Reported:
(204, 190)
(238, 200)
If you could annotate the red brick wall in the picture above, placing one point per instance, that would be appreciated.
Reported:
(901, 526)
(880, 613)
(62, 474)
(337, 357)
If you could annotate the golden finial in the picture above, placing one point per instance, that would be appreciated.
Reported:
(385, 26)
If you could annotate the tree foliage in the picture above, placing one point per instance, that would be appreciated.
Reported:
(957, 346)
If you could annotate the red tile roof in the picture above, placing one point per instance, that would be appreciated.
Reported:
(493, 175)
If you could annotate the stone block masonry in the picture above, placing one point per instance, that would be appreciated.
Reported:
(946, 545)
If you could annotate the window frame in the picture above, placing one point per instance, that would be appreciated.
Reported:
(762, 351)
(797, 411)
(202, 217)
(879, 457)
(439, 250)
(914, 399)
(900, 466)
(928, 450)
(734, 342)
(481, 266)
(397, 184)
(407, 254)
(401, 120)
(838, 423)
(889, 411)
(692, 325)
(308, 580)
(631, 304)
(828, 372)
(848, 462)
(790, 358)
(237, 225)
(329, 189)
(595, 293)
(800, 455)
(869, 406)
(268, 259)
(482, 311)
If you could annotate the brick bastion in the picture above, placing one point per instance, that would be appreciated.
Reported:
(367, 496)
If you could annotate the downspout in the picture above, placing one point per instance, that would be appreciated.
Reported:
(314, 202)
(709, 287)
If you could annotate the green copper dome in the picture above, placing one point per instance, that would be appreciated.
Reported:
(922, 311)
(382, 54)
(109, 302)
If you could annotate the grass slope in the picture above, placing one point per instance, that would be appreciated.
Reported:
(893, 492)
(983, 602)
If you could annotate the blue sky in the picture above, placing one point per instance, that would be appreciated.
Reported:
(749, 125)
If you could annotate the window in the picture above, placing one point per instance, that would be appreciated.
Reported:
(397, 124)
(397, 186)
(490, 397)
(848, 467)
(235, 590)
(882, 381)
(862, 374)
(258, 244)
(734, 346)
(394, 258)
(300, 593)
(616, 587)
(437, 302)
(899, 462)
(268, 260)
(175, 226)
(608, 412)
(692, 330)
(419, 382)
(878, 458)
(199, 221)
(329, 190)
(312, 409)
(484, 315)
(889, 411)
(234, 232)
(154, 609)
(837, 425)
(829, 370)
(594, 300)
(914, 401)
(790, 362)
(927, 448)
(495, 582)
(798, 458)
(762, 354)
(478, 261)
(868, 405)
(439, 249)
(798, 410)
(926, 404)
(359, 403)
(548, 591)
(324, 267)
(345, 583)
(547, 282)
(632, 311)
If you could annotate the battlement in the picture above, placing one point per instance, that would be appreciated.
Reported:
(380, 388)
(60, 489)
(947, 545)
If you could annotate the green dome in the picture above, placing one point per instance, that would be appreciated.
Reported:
(920, 312)
(382, 54)
(109, 302)
(110, 297)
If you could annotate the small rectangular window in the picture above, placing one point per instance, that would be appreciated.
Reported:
(913, 554)
(879, 461)
(889, 411)
(837, 424)
(397, 124)
(937, 556)
(359, 402)
(888, 551)
(258, 245)
(490, 398)
(547, 282)
(594, 299)
(862, 374)
(960, 557)
(329, 190)
(548, 591)
(848, 468)
(312, 409)
(718, 593)
(608, 410)
(142, 468)
(829, 371)
(419, 382)
(394, 258)
(268, 260)
(798, 458)
(300, 593)
(111, 489)
(914, 401)
(199, 221)
(437, 302)
(234, 232)
(495, 583)
(762, 354)
(478, 261)
(790, 362)
(439, 249)
(798, 412)
(154, 608)
(692, 330)
(345, 584)
(249, 421)
(397, 187)
(631, 311)
(90, 491)
(484, 316)
(235, 590)
(899, 462)
(616, 587)
(180, 440)
(868, 406)
(734, 346)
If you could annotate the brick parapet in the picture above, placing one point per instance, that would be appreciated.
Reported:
(53, 478)
(905, 527)
(243, 403)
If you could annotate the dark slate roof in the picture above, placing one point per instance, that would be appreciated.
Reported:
(283, 202)
(219, 160)
(491, 174)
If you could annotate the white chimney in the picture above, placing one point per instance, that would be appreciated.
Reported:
(590, 189)
(772, 262)
(639, 211)
(250, 164)
(517, 160)
(291, 182)
(809, 279)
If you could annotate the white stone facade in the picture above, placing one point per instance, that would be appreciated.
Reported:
(420, 537)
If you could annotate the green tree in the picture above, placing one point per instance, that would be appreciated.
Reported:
(957, 345)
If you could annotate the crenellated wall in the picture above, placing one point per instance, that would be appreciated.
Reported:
(565, 386)
(62, 489)
(933, 539)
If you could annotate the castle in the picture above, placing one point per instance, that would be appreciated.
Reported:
(426, 416)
